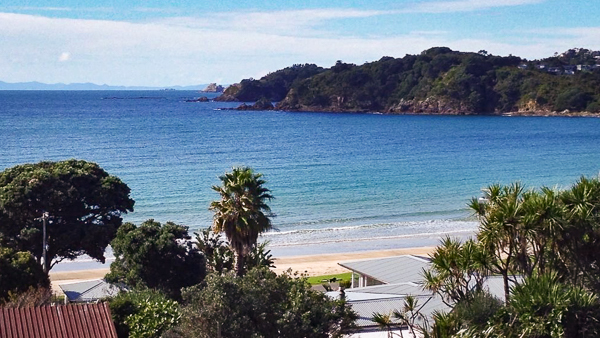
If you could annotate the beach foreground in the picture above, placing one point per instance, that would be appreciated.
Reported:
(311, 265)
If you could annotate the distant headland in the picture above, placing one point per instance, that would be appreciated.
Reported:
(437, 81)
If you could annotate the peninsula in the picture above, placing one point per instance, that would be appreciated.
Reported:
(437, 81)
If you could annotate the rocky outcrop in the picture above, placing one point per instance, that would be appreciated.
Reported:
(229, 93)
(258, 105)
(200, 99)
(431, 105)
(213, 88)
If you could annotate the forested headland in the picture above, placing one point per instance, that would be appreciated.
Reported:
(437, 81)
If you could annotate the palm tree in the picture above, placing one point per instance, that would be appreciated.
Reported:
(500, 228)
(385, 322)
(242, 212)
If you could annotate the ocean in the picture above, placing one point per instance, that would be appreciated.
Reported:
(342, 182)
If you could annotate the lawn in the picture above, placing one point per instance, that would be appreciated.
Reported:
(318, 279)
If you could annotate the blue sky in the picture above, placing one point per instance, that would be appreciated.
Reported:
(163, 43)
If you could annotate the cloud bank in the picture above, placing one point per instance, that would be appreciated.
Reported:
(227, 47)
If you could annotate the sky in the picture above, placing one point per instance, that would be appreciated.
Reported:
(189, 42)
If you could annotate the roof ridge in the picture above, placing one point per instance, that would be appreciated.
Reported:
(100, 282)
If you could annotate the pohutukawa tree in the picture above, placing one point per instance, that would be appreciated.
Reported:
(156, 256)
(83, 201)
(242, 212)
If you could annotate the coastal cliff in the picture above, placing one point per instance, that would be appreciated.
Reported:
(439, 81)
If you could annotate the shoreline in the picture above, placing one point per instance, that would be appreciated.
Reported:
(310, 265)
(522, 113)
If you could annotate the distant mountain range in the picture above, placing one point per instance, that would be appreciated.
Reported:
(87, 86)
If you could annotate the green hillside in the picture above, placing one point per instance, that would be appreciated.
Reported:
(438, 81)
(273, 87)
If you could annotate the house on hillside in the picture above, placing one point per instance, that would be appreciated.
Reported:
(585, 68)
(61, 321)
(555, 70)
(570, 69)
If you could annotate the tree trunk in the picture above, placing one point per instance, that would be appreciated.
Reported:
(506, 287)
(239, 264)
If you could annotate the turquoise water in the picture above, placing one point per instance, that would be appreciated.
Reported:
(342, 182)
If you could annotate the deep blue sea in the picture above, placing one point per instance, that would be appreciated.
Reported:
(342, 182)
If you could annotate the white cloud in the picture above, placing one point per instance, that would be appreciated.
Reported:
(466, 5)
(64, 56)
(166, 53)
(295, 22)
(32, 8)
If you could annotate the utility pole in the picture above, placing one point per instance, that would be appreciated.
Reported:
(44, 218)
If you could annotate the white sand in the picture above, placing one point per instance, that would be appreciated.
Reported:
(312, 265)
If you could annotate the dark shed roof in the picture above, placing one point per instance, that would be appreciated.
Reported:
(62, 321)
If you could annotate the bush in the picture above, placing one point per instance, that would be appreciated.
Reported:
(18, 273)
(476, 312)
(140, 313)
(593, 107)
(262, 304)
(573, 99)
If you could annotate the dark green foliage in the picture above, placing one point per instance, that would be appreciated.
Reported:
(220, 257)
(259, 256)
(262, 304)
(593, 107)
(85, 204)
(445, 325)
(458, 270)
(127, 305)
(477, 311)
(274, 86)
(548, 237)
(459, 82)
(156, 256)
(545, 307)
(18, 273)
(576, 56)
(573, 99)
(579, 241)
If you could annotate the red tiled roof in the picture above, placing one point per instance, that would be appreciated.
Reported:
(62, 321)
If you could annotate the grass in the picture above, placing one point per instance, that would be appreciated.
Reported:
(316, 280)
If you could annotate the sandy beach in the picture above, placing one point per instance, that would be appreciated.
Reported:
(312, 265)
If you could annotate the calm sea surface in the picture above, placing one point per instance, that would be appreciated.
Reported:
(342, 182)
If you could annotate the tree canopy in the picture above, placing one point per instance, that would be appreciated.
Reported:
(262, 304)
(242, 212)
(84, 202)
(156, 256)
(19, 272)
(544, 243)
(439, 80)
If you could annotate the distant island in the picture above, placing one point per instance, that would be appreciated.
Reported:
(437, 81)
(213, 88)
(87, 86)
